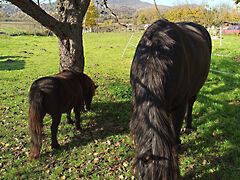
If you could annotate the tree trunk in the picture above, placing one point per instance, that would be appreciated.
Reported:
(71, 53)
(71, 13)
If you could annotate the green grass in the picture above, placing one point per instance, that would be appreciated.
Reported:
(104, 149)
(23, 28)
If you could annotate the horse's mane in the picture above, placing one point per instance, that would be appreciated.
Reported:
(170, 66)
(151, 125)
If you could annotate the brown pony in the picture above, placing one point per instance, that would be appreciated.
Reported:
(56, 95)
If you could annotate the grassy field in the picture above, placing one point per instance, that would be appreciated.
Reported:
(22, 28)
(104, 150)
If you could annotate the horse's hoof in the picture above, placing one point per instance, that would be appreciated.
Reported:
(187, 130)
(179, 142)
(179, 146)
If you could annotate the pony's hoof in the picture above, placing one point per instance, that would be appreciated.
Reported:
(56, 146)
(70, 121)
(34, 153)
(34, 156)
(187, 130)
(79, 128)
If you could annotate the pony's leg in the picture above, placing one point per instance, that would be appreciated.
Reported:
(77, 118)
(189, 114)
(177, 117)
(54, 130)
(69, 119)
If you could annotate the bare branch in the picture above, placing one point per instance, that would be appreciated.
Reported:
(159, 14)
(33, 10)
(115, 15)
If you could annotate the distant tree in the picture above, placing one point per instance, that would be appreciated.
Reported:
(147, 15)
(1, 13)
(141, 19)
(91, 16)
(108, 22)
(186, 13)
(234, 16)
(224, 13)
(203, 15)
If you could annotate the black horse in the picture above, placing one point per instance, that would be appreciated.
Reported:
(56, 95)
(170, 65)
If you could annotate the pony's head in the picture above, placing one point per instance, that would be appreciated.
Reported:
(89, 96)
(89, 89)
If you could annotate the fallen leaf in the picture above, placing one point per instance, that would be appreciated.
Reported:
(121, 177)
(96, 160)
(125, 164)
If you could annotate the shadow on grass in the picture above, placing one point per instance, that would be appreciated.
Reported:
(111, 118)
(10, 63)
(209, 140)
(216, 147)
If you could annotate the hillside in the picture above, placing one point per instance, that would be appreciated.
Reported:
(122, 6)
(134, 4)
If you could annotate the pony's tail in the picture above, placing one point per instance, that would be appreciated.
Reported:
(36, 115)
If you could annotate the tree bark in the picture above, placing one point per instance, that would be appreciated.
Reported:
(71, 50)
(71, 53)
(68, 28)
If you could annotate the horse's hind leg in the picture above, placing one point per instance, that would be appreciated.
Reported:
(177, 117)
(54, 130)
(189, 115)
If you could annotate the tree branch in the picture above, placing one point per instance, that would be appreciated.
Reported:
(115, 15)
(159, 14)
(84, 5)
(37, 13)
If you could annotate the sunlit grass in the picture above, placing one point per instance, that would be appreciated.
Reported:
(104, 150)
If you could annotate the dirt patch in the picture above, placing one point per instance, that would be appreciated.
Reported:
(237, 58)
(235, 102)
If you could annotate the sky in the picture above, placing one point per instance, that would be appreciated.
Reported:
(177, 2)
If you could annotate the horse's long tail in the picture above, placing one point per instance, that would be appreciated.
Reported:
(36, 114)
(154, 138)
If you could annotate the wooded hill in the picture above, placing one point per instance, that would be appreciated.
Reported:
(121, 7)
